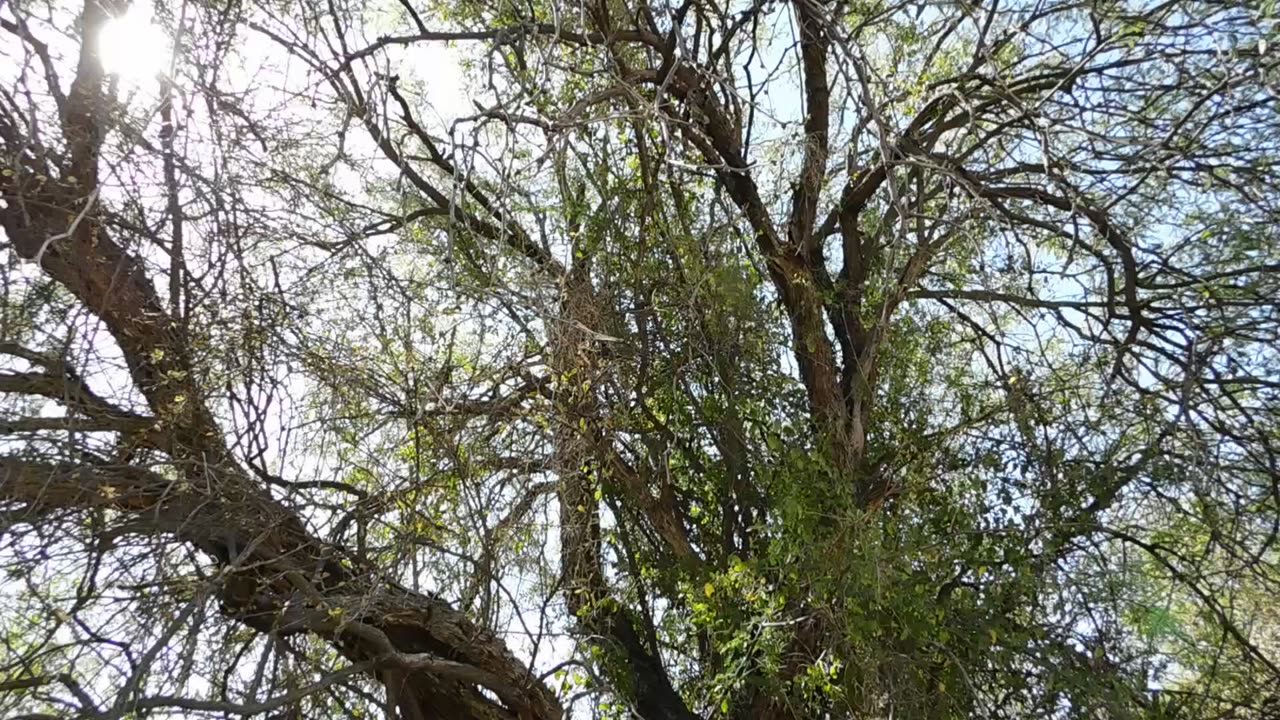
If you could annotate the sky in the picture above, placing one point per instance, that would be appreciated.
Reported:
(138, 54)
(135, 51)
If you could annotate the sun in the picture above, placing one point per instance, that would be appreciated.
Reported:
(132, 48)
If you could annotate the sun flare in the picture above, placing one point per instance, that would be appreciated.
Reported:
(132, 47)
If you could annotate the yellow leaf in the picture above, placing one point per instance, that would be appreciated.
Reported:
(709, 589)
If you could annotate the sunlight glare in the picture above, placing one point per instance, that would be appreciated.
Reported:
(132, 48)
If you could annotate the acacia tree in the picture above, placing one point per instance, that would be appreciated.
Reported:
(778, 360)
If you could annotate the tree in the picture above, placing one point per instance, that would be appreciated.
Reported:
(780, 360)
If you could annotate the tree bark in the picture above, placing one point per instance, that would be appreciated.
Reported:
(282, 579)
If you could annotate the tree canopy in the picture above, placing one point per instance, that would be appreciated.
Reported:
(521, 360)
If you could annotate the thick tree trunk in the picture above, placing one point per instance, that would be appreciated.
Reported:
(291, 582)
(284, 582)
(282, 579)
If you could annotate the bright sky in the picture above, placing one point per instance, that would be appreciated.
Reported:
(137, 53)
(132, 48)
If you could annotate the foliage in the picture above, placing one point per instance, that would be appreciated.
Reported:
(476, 359)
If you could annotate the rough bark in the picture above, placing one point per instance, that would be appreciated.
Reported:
(283, 580)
